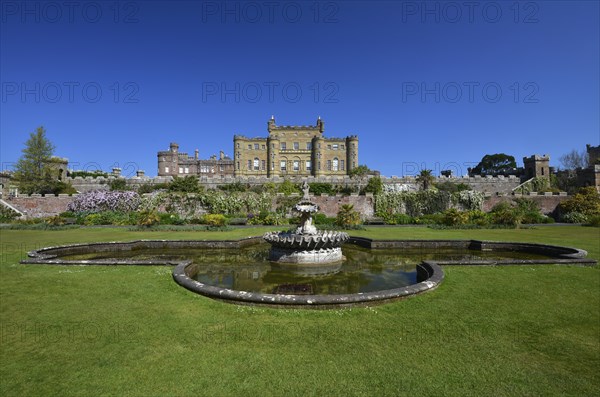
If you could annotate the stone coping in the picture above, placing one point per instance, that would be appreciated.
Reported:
(429, 274)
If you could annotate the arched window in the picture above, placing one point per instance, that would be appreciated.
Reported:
(256, 164)
(335, 164)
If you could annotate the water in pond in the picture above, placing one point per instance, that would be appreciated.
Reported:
(248, 269)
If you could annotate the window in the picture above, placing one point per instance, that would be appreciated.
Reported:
(187, 170)
(308, 165)
(342, 165)
(220, 168)
(256, 164)
(335, 164)
(204, 169)
(308, 145)
(319, 165)
(167, 170)
(249, 164)
(328, 165)
(256, 146)
(180, 170)
(283, 165)
(329, 147)
(272, 166)
(319, 145)
(272, 146)
(238, 145)
(263, 165)
(282, 145)
(342, 147)
(263, 147)
(238, 165)
(296, 165)
(249, 147)
(335, 146)
(296, 146)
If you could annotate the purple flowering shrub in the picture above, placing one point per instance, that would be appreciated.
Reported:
(104, 200)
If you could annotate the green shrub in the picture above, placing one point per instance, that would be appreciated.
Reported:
(453, 217)
(170, 219)
(148, 218)
(583, 205)
(318, 188)
(347, 216)
(375, 186)
(117, 184)
(430, 219)
(322, 219)
(236, 186)
(574, 217)
(287, 187)
(149, 187)
(594, 221)
(186, 184)
(108, 218)
(7, 214)
(214, 220)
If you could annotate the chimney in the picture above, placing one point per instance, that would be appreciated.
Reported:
(140, 173)
(116, 172)
(221, 155)
(196, 154)
(174, 147)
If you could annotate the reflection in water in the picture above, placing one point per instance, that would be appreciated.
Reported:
(248, 269)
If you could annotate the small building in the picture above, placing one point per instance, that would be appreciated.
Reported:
(174, 163)
(536, 166)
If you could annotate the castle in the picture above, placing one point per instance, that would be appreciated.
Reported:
(287, 151)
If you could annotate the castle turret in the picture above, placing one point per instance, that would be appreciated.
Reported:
(537, 166)
(168, 160)
(351, 152)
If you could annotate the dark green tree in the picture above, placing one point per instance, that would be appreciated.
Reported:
(360, 174)
(34, 171)
(495, 164)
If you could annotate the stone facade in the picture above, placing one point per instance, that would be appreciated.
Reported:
(174, 163)
(593, 153)
(547, 201)
(536, 166)
(297, 151)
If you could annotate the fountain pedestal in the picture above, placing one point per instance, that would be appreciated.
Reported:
(306, 245)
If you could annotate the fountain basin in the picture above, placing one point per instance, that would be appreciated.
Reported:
(415, 262)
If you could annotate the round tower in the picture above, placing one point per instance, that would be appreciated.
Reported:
(351, 152)
(168, 161)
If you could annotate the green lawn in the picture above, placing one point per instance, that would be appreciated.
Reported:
(131, 331)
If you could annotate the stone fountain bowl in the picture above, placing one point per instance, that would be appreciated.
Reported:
(306, 207)
(306, 242)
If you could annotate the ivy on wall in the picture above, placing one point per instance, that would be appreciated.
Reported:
(426, 202)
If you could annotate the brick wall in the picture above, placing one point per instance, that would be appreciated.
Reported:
(36, 206)
(547, 203)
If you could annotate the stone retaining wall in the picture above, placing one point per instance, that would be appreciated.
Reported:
(547, 203)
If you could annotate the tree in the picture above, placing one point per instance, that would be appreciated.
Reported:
(495, 164)
(574, 160)
(375, 186)
(347, 216)
(34, 171)
(425, 179)
(360, 173)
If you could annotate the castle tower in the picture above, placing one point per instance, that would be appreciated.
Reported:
(537, 166)
(351, 152)
(168, 160)
(237, 154)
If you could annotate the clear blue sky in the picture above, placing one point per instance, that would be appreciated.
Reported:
(425, 85)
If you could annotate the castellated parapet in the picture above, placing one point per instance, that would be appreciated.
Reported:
(294, 151)
(537, 166)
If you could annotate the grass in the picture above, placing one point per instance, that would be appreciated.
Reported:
(131, 331)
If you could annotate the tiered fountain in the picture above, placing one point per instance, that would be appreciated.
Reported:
(306, 245)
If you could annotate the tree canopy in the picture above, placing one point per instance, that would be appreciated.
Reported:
(574, 160)
(495, 164)
(34, 171)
